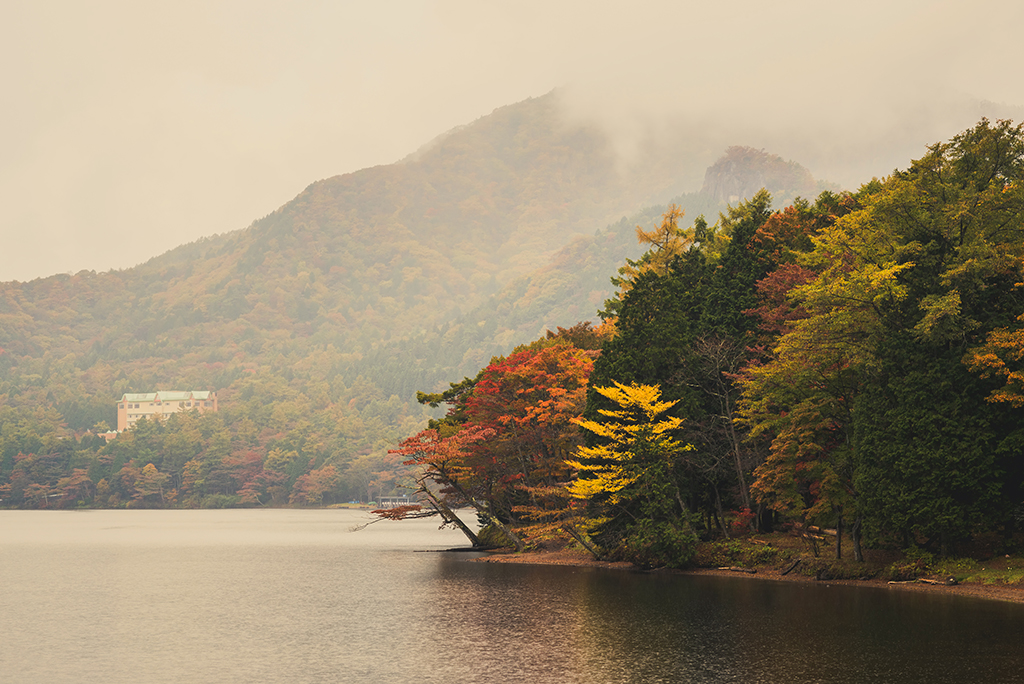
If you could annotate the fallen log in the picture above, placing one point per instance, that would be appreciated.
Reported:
(948, 582)
(733, 568)
(790, 567)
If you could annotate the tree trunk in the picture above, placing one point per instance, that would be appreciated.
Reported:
(765, 518)
(734, 438)
(486, 513)
(839, 535)
(584, 542)
(448, 515)
(858, 555)
(682, 506)
(509, 534)
(720, 514)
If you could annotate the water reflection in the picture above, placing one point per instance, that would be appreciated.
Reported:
(594, 626)
(294, 596)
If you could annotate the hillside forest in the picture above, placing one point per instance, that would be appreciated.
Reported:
(851, 361)
(854, 362)
(317, 324)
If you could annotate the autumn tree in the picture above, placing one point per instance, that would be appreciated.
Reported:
(77, 487)
(667, 243)
(631, 478)
(148, 486)
(686, 328)
(920, 273)
(446, 482)
(310, 489)
(529, 400)
(502, 446)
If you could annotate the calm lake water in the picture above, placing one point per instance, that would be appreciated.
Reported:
(295, 596)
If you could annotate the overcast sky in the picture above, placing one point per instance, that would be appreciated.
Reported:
(128, 128)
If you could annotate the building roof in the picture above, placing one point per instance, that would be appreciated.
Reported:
(173, 396)
(168, 395)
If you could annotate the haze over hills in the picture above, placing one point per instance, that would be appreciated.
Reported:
(317, 324)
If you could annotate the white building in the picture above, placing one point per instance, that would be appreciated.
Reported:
(151, 405)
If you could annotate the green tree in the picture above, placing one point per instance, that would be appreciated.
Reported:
(684, 326)
(919, 273)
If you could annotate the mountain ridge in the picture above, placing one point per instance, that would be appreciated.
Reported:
(319, 322)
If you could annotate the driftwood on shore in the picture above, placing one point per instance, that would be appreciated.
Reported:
(458, 549)
(948, 582)
(734, 568)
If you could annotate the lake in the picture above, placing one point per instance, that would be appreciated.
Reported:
(297, 596)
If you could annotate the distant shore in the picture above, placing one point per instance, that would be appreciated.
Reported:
(578, 558)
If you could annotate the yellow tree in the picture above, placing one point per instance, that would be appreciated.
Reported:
(667, 242)
(630, 478)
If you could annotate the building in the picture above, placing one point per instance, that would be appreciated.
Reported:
(151, 405)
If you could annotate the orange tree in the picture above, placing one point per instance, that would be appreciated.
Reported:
(503, 444)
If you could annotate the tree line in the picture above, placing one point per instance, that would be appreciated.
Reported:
(855, 362)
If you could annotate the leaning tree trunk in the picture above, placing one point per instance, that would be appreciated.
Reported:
(505, 530)
(491, 518)
(581, 538)
(448, 515)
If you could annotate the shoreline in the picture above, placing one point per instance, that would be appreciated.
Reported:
(575, 558)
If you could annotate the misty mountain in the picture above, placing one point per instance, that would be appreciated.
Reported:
(317, 324)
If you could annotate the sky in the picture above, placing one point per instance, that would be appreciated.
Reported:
(130, 127)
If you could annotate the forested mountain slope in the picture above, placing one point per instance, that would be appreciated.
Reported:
(352, 261)
(317, 324)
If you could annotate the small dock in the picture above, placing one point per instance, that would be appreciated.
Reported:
(394, 501)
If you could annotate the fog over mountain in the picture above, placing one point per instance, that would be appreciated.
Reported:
(318, 323)
(129, 129)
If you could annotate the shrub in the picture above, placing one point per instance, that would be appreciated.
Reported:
(733, 552)
(959, 568)
(740, 525)
(656, 544)
(218, 501)
(490, 535)
(915, 563)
